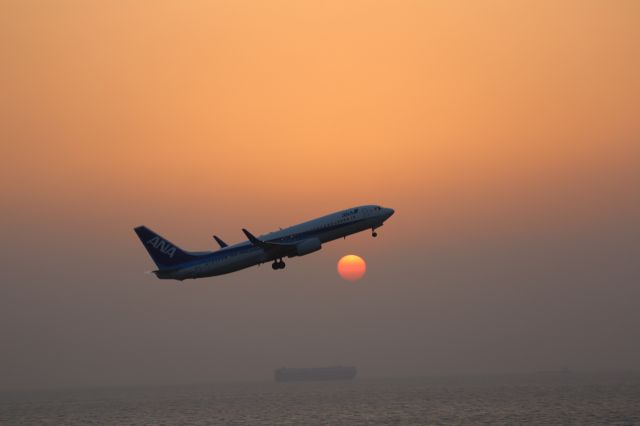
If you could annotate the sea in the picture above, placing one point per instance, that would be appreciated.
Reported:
(549, 398)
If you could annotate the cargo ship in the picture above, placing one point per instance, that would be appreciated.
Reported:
(314, 374)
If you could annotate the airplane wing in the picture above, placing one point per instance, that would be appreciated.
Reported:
(220, 242)
(266, 244)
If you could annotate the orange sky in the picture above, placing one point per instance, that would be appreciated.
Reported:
(475, 121)
(328, 104)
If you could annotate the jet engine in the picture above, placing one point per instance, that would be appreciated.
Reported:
(308, 246)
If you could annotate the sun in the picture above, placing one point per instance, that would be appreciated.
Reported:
(352, 267)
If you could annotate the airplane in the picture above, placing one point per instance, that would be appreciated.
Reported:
(298, 240)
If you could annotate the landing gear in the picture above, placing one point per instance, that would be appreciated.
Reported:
(373, 232)
(278, 264)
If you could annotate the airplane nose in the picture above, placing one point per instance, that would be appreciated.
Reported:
(390, 212)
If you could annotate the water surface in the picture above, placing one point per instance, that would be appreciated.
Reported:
(562, 399)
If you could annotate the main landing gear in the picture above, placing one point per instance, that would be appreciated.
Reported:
(278, 264)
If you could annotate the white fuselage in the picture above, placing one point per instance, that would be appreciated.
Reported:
(312, 233)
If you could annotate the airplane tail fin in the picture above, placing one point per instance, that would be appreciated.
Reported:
(164, 253)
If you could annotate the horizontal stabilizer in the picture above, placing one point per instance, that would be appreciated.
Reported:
(220, 242)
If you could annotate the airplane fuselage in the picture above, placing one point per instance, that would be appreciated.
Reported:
(297, 240)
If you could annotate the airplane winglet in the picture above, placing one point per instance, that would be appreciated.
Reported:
(252, 238)
(264, 244)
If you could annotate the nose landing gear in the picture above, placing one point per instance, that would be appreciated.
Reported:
(278, 264)
(373, 232)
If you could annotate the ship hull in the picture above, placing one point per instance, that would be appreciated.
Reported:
(314, 374)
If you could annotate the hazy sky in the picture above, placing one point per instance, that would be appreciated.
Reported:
(504, 134)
